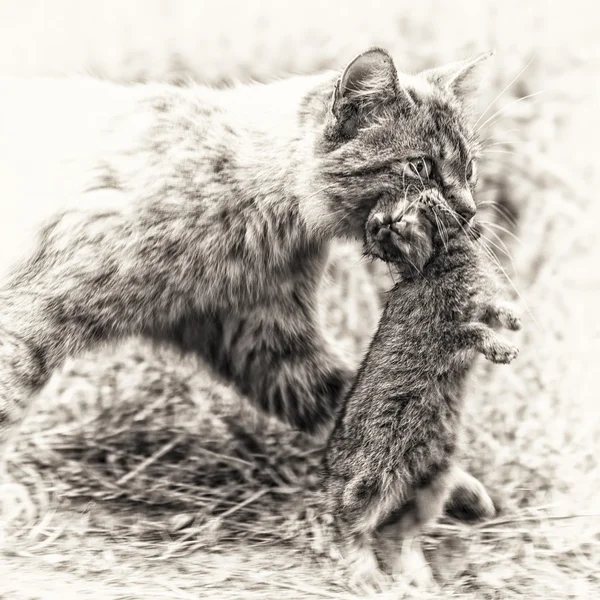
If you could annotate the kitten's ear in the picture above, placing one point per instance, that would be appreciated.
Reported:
(368, 82)
(459, 78)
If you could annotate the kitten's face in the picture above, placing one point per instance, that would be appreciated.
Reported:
(408, 232)
(391, 137)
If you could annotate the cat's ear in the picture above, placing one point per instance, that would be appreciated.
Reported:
(368, 82)
(459, 78)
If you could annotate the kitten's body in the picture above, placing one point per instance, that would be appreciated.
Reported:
(392, 449)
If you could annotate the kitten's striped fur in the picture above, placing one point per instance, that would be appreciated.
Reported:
(390, 458)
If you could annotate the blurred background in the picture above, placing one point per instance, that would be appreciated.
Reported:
(93, 531)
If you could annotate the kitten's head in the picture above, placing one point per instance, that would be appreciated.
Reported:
(409, 231)
(388, 135)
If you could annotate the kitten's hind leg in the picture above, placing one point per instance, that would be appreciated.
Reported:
(485, 340)
(410, 564)
(358, 508)
(500, 314)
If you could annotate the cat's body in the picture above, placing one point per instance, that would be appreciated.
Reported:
(203, 243)
(391, 453)
(207, 221)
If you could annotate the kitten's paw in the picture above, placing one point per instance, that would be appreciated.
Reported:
(508, 318)
(502, 314)
(500, 352)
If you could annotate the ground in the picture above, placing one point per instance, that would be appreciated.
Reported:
(149, 479)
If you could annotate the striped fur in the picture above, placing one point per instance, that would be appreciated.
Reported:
(222, 205)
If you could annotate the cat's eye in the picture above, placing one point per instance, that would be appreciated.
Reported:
(470, 171)
(422, 167)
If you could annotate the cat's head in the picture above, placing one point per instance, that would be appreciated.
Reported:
(388, 134)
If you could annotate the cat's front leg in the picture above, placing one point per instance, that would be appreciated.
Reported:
(482, 338)
(278, 358)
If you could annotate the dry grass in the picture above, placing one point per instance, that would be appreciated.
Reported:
(150, 479)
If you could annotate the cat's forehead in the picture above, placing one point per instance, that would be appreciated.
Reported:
(435, 122)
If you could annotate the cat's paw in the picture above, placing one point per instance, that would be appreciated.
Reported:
(500, 352)
(469, 500)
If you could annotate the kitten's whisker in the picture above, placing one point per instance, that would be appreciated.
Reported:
(504, 90)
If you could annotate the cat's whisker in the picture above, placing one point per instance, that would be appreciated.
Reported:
(503, 229)
(495, 137)
(414, 266)
(499, 112)
(439, 228)
(503, 91)
(507, 143)
(505, 251)
(497, 263)
(501, 248)
(319, 191)
(493, 204)
(499, 152)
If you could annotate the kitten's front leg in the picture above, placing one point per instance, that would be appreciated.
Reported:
(480, 337)
(501, 314)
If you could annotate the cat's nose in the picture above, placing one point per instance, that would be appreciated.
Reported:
(464, 204)
(467, 212)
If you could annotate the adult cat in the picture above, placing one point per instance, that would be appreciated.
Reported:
(221, 206)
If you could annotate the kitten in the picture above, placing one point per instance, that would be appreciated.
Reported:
(223, 206)
(390, 458)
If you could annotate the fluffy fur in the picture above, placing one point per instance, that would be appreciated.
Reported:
(390, 457)
(222, 207)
